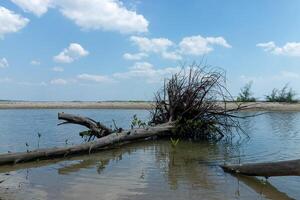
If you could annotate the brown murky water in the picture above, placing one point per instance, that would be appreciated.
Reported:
(156, 170)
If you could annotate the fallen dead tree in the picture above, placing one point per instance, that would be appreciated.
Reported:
(267, 169)
(88, 147)
(96, 129)
(188, 106)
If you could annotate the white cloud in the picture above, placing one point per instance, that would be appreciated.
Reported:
(193, 45)
(198, 45)
(38, 7)
(268, 46)
(156, 45)
(3, 63)
(94, 78)
(35, 62)
(109, 15)
(11, 22)
(217, 41)
(58, 81)
(289, 49)
(137, 56)
(73, 52)
(147, 71)
(57, 69)
(172, 55)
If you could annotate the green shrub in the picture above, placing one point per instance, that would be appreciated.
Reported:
(245, 94)
(284, 95)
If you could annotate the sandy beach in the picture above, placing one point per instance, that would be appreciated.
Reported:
(74, 105)
(255, 106)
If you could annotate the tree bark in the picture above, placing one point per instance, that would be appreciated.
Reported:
(267, 169)
(97, 128)
(106, 141)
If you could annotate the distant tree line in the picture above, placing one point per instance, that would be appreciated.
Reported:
(285, 94)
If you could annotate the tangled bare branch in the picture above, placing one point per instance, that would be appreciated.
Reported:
(195, 98)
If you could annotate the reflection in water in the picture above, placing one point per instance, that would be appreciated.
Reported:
(263, 187)
(141, 171)
(156, 170)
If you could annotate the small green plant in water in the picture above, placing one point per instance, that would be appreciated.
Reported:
(39, 137)
(27, 146)
(66, 142)
(174, 142)
(137, 123)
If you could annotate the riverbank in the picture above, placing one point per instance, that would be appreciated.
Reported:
(75, 105)
(255, 106)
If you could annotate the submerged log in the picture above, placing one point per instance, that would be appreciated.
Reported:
(86, 148)
(267, 169)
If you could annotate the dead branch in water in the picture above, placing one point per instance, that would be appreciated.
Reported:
(267, 169)
(96, 129)
(88, 147)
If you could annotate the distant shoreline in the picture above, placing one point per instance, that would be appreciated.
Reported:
(75, 105)
(254, 106)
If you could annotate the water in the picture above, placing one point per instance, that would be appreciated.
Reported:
(149, 169)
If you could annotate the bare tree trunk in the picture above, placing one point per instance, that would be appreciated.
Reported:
(267, 169)
(106, 141)
(97, 128)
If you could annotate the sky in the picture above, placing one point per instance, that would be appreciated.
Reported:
(95, 50)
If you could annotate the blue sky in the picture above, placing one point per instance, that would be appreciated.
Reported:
(122, 49)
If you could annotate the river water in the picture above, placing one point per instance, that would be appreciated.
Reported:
(149, 169)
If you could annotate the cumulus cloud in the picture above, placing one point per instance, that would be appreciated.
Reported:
(94, 78)
(147, 71)
(57, 69)
(58, 81)
(137, 56)
(73, 52)
(103, 14)
(11, 22)
(109, 15)
(159, 46)
(193, 45)
(289, 49)
(3, 63)
(198, 45)
(37, 7)
(151, 45)
(171, 55)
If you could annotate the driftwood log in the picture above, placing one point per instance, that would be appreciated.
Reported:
(109, 140)
(267, 169)
(97, 128)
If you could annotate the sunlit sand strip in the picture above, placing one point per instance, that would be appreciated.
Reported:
(258, 106)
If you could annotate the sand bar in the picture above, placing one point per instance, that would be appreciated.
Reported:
(259, 106)
(74, 105)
